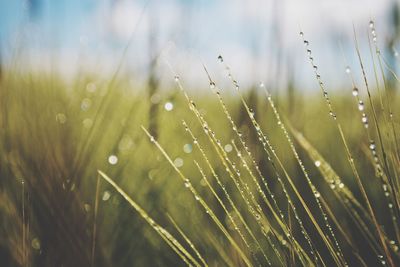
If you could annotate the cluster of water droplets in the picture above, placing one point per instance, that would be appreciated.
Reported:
(361, 107)
(222, 186)
(265, 142)
(373, 31)
(301, 164)
(235, 173)
(318, 76)
(189, 186)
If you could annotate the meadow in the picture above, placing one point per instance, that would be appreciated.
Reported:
(100, 172)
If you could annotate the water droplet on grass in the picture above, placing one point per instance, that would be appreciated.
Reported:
(212, 85)
(35, 243)
(371, 24)
(372, 145)
(187, 183)
(106, 196)
(361, 105)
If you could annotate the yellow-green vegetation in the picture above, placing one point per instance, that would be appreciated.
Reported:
(100, 172)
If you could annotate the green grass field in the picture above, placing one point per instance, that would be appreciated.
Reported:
(97, 172)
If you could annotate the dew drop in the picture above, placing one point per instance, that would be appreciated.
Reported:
(187, 183)
(348, 70)
(168, 106)
(364, 120)
(317, 194)
(372, 145)
(317, 163)
(371, 24)
(355, 91)
(187, 148)
(113, 159)
(251, 113)
(106, 196)
(212, 85)
(35, 243)
(220, 59)
(178, 162)
(176, 78)
(301, 34)
(361, 105)
(228, 148)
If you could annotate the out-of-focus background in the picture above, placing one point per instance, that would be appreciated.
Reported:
(259, 39)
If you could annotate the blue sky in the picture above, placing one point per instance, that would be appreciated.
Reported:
(251, 34)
